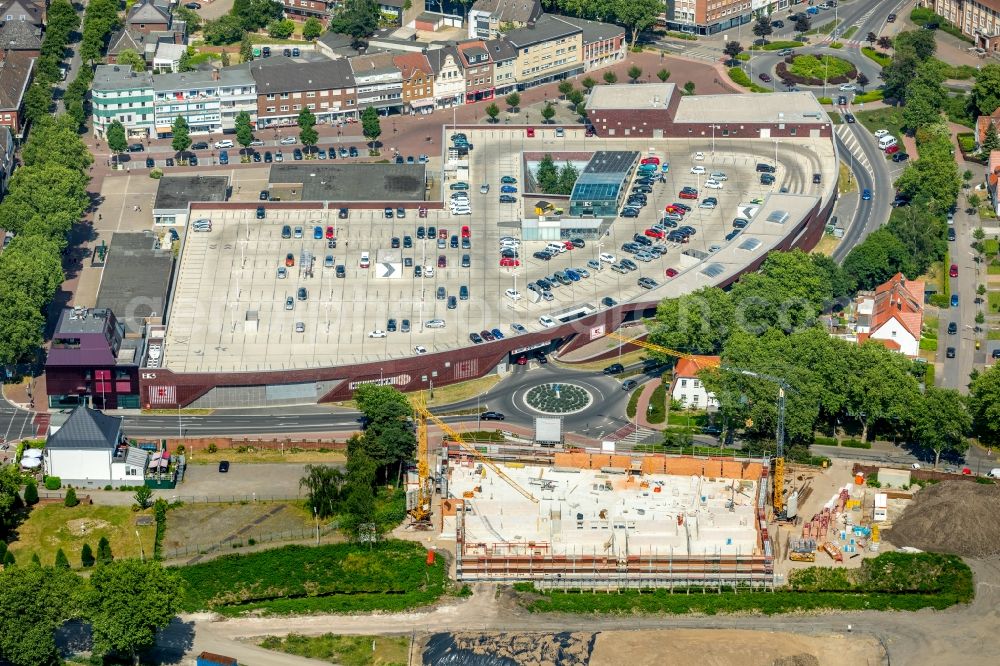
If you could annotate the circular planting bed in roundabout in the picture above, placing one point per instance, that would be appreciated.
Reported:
(558, 398)
(811, 70)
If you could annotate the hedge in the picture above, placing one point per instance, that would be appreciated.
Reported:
(880, 57)
(871, 96)
(836, 45)
(855, 444)
(777, 46)
(53, 483)
(825, 441)
(967, 141)
(740, 78)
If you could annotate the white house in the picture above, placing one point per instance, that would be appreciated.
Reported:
(892, 314)
(687, 388)
(449, 78)
(89, 450)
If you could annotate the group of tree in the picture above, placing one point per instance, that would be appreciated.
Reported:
(62, 21)
(45, 197)
(555, 180)
(357, 18)
(307, 128)
(100, 19)
(769, 323)
(633, 15)
(371, 126)
(246, 16)
(125, 602)
(913, 49)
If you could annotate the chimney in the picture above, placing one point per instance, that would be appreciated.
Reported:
(215, 73)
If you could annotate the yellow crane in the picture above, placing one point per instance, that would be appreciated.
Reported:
(778, 498)
(421, 511)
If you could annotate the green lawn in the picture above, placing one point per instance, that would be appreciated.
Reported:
(849, 32)
(633, 400)
(994, 301)
(888, 118)
(820, 68)
(49, 528)
(658, 402)
(824, 29)
(344, 650)
(880, 57)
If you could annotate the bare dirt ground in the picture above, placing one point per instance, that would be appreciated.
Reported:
(197, 524)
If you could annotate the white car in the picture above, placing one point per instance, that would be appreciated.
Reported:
(608, 258)
(428, 271)
(434, 323)
(256, 142)
(224, 143)
(419, 350)
(287, 140)
(366, 260)
(848, 87)
(546, 321)
(698, 169)
(461, 211)
(699, 156)
(377, 334)
(513, 294)
(706, 204)
(879, 133)
(718, 175)
(713, 184)
(509, 239)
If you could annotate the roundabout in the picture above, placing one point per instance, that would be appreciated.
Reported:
(558, 399)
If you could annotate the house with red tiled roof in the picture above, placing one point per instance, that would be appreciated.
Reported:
(992, 180)
(418, 81)
(893, 314)
(982, 122)
(687, 387)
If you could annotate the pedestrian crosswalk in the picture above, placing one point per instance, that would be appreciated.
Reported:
(697, 51)
(631, 435)
(850, 141)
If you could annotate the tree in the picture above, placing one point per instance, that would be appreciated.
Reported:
(575, 97)
(492, 110)
(370, 126)
(567, 178)
(358, 18)
(30, 493)
(226, 59)
(224, 30)
(325, 487)
(190, 18)
(181, 132)
(986, 91)
(37, 101)
(547, 175)
(581, 110)
(56, 139)
(359, 502)
(246, 48)
(884, 42)
(991, 139)
(565, 87)
(244, 130)
(942, 422)
(281, 29)
(634, 72)
(871, 38)
(898, 74)
(255, 14)
(663, 75)
(128, 602)
(62, 562)
(699, 322)
(588, 83)
(732, 49)
(21, 324)
(762, 27)
(689, 87)
(802, 23)
(87, 556)
(610, 77)
(70, 500)
(388, 439)
(10, 486)
(862, 80)
(841, 284)
(881, 387)
(143, 497)
(922, 232)
(788, 293)
(34, 603)
(513, 101)
(878, 258)
(132, 57)
(45, 199)
(548, 112)
(307, 128)
(634, 15)
(312, 29)
(920, 43)
(75, 110)
(984, 406)
(104, 555)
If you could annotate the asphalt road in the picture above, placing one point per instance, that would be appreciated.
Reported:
(955, 372)
(871, 214)
(73, 64)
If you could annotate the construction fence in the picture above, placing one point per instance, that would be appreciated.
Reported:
(248, 539)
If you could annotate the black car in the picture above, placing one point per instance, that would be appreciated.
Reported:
(199, 145)
(842, 100)
(223, 466)
(952, 328)
(421, 233)
(544, 256)
(268, 157)
(648, 283)
(193, 160)
(353, 151)
(817, 178)
(629, 384)
(492, 416)
(475, 338)
(629, 211)
(578, 242)
(264, 196)
(544, 284)
(614, 369)
(192, 5)
(391, 326)
(342, 213)
(399, 159)
(900, 157)
(341, 271)
(740, 223)
(900, 200)
(150, 163)
(297, 153)
(951, 233)
(642, 240)
(765, 168)
(407, 242)
(394, 243)
(466, 261)
(387, 212)
(507, 199)
(608, 302)
(136, 148)
(261, 213)
(849, 117)
(950, 352)
(256, 157)
(170, 161)
(766, 179)
(777, 24)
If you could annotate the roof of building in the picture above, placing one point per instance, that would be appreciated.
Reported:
(510, 11)
(993, 168)
(87, 428)
(691, 366)
(605, 174)
(126, 38)
(778, 107)
(339, 43)
(147, 12)
(594, 31)
(627, 96)
(15, 73)
(136, 279)
(438, 58)
(171, 51)
(410, 63)
(501, 49)
(202, 79)
(120, 77)
(26, 8)
(983, 122)
(353, 182)
(6, 141)
(899, 299)
(299, 77)
(176, 192)
(373, 64)
(20, 36)
(545, 29)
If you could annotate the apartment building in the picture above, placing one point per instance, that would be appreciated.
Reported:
(119, 93)
(977, 19)
(550, 50)
(449, 76)
(148, 17)
(285, 88)
(488, 18)
(302, 10)
(379, 82)
(208, 101)
(504, 57)
(603, 43)
(418, 82)
(708, 17)
(478, 69)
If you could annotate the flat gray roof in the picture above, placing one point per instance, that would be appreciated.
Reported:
(628, 96)
(120, 77)
(136, 279)
(790, 107)
(615, 162)
(202, 79)
(176, 192)
(351, 182)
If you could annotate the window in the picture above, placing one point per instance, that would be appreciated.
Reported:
(684, 383)
(270, 109)
(284, 107)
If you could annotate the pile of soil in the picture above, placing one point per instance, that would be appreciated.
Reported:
(951, 517)
(509, 649)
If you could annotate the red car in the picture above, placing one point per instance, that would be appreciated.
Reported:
(671, 272)
(329, 233)
(442, 261)
(530, 132)
(675, 209)
(466, 232)
(892, 149)
(651, 160)
(522, 360)
(422, 211)
(289, 259)
(953, 271)
(654, 233)
(589, 131)
(688, 194)
(443, 233)
(568, 245)
(509, 262)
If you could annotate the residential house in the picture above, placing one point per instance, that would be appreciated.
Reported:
(379, 82)
(22, 36)
(603, 43)
(892, 314)
(982, 125)
(418, 82)
(284, 89)
(6, 157)
(707, 17)
(489, 19)
(992, 180)
(23, 11)
(167, 57)
(303, 10)
(335, 45)
(146, 44)
(478, 68)
(119, 93)
(687, 387)
(978, 20)
(90, 450)
(16, 72)
(449, 76)
(550, 50)
(208, 100)
(504, 57)
(398, 13)
(148, 17)
(91, 360)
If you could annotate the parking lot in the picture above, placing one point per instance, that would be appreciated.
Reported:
(229, 309)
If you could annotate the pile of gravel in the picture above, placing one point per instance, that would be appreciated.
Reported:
(951, 517)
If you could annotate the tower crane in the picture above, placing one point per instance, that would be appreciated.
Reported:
(778, 498)
(421, 511)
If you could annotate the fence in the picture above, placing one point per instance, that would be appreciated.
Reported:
(233, 499)
(247, 539)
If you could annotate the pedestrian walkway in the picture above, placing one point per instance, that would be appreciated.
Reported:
(642, 406)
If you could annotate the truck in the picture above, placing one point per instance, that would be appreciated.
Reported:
(211, 659)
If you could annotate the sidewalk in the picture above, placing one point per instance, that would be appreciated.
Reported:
(642, 406)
